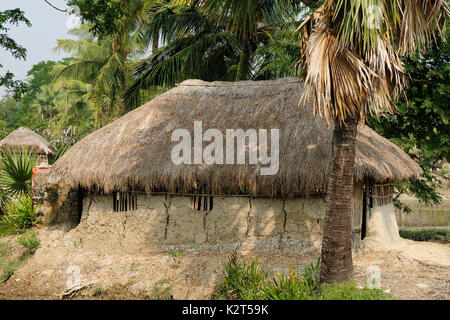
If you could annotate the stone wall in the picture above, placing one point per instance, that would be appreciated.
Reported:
(164, 223)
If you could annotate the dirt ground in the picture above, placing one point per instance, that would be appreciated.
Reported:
(408, 269)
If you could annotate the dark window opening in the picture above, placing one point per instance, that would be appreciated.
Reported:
(201, 203)
(80, 197)
(124, 201)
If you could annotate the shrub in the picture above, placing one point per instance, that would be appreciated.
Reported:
(243, 279)
(30, 241)
(247, 281)
(426, 235)
(19, 217)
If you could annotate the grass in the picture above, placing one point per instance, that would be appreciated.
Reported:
(8, 265)
(8, 268)
(426, 235)
(246, 280)
(30, 241)
(162, 290)
(350, 291)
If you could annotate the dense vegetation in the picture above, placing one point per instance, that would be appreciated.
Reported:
(427, 235)
(130, 51)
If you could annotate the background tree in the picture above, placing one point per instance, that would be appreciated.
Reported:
(421, 124)
(211, 40)
(13, 17)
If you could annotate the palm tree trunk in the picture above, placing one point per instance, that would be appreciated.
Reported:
(336, 258)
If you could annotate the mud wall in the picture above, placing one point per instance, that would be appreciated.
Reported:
(164, 223)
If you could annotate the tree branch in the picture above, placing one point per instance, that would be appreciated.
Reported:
(55, 7)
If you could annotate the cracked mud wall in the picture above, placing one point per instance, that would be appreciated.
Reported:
(165, 223)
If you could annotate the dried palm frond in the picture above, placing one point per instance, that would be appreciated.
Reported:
(418, 22)
(351, 52)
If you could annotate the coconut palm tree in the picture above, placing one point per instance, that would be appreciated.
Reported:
(101, 64)
(209, 40)
(47, 102)
(351, 58)
(195, 48)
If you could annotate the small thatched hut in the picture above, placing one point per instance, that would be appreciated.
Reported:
(135, 195)
(23, 137)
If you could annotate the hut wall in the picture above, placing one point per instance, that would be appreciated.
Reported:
(163, 223)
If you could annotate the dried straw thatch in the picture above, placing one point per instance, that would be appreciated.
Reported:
(134, 151)
(23, 137)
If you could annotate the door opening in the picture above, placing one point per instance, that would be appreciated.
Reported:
(364, 214)
(80, 196)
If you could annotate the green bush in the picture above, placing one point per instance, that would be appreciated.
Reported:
(243, 279)
(30, 241)
(426, 235)
(247, 281)
(350, 291)
(19, 216)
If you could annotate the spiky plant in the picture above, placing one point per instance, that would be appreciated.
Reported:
(16, 169)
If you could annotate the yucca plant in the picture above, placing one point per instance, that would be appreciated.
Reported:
(16, 169)
(20, 215)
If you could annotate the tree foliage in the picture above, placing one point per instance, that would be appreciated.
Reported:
(420, 126)
(12, 17)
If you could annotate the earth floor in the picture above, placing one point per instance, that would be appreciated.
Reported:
(408, 269)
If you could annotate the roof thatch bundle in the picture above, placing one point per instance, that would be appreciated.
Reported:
(23, 137)
(135, 150)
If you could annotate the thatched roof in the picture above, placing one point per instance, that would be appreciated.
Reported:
(23, 137)
(135, 150)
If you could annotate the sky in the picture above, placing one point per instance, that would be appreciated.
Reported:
(48, 25)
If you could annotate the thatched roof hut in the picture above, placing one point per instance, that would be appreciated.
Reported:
(135, 150)
(23, 137)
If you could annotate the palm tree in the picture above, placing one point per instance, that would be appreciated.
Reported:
(190, 38)
(78, 106)
(351, 57)
(209, 40)
(101, 64)
(47, 102)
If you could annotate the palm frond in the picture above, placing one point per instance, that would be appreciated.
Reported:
(352, 65)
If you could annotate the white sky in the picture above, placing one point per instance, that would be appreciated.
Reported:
(48, 25)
